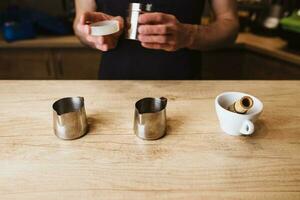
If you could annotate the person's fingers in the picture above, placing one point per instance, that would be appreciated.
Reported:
(87, 29)
(101, 40)
(106, 46)
(155, 18)
(103, 43)
(156, 46)
(108, 40)
(91, 39)
(120, 20)
(98, 40)
(111, 42)
(91, 17)
(87, 18)
(116, 36)
(103, 47)
(82, 20)
(81, 26)
(160, 39)
(155, 29)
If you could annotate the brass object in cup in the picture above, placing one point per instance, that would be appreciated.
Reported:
(242, 106)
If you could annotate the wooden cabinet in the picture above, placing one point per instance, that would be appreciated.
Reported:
(243, 64)
(80, 63)
(26, 64)
(45, 64)
(222, 65)
(77, 63)
(257, 66)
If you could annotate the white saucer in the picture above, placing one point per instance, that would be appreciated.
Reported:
(103, 28)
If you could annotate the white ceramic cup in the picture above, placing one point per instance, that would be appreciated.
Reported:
(233, 123)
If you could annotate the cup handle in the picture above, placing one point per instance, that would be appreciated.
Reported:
(247, 128)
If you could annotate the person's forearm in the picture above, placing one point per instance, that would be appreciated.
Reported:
(218, 34)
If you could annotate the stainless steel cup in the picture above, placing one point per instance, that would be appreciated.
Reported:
(69, 118)
(150, 120)
(132, 21)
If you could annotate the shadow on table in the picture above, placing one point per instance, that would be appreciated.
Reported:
(174, 124)
(97, 120)
(261, 130)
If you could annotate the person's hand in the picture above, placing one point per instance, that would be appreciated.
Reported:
(103, 43)
(163, 31)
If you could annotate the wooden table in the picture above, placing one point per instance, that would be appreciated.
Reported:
(194, 161)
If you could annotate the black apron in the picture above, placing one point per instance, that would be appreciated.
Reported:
(130, 61)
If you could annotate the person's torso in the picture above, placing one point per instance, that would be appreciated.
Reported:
(186, 11)
(131, 61)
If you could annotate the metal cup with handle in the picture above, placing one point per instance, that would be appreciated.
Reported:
(234, 123)
(150, 120)
(69, 118)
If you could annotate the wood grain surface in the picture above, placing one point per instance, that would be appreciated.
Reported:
(194, 161)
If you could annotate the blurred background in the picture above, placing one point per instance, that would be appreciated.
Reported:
(37, 42)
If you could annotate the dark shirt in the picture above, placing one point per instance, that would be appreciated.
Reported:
(129, 60)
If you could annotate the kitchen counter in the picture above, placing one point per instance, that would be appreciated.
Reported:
(44, 42)
(270, 46)
(194, 161)
(274, 47)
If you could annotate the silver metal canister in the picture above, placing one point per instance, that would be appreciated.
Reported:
(134, 11)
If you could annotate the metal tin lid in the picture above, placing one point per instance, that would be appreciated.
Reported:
(103, 28)
(140, 7)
